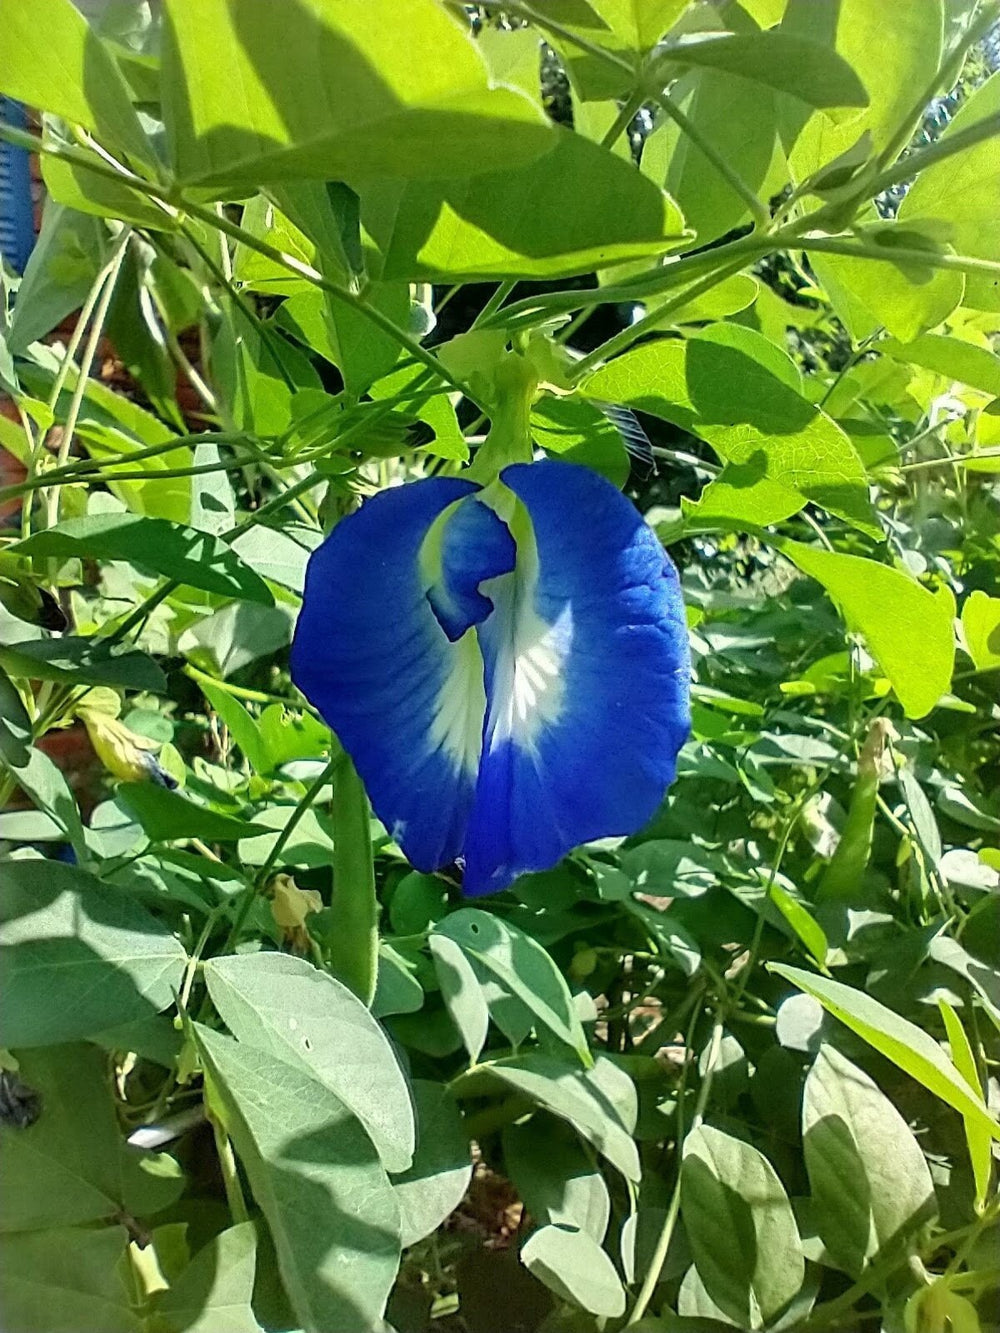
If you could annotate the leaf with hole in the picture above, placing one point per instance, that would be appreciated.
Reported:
(290, 1009)
(523, 968)
(318, 1180)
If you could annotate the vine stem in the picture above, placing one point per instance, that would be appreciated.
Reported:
(673, 1209)
(101, 308)
(230, 1174)
(758, 211)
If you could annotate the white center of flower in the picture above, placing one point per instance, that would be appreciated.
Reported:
(457, 726)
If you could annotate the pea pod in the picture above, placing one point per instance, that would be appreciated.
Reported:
(843, 876)
(353, 937)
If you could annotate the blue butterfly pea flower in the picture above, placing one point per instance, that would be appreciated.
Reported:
(506, 665)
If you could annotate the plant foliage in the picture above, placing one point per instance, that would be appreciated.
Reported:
(735, 1070)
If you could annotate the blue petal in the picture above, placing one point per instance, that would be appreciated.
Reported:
(405, 702)
(474, 545)
(587, 677)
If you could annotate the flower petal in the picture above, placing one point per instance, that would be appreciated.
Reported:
(466, 545)
(587, 677)
(406, 703)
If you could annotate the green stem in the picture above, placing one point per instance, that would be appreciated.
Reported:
(943, 78)
(264, 873)
(841, 245)
(352, 942)
(219, 222)
(936, 152)
(230, 1174)
(241, 692)
(491, 307)
(106, 284)
(673, 1209)
(626, 337)
(628, 112)
(758, 211)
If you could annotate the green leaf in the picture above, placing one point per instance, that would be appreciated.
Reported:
(50, 793)
(515, 223)
(213, 504)
(242, 727)
(976, 1135)
(78, 956)
(893, 64)
(950, 357)
(461, 992)
(317, 1178)
(554, 1175)
(899, 1040)
(600, 1102)
(959, 194)
(239, 633)
(51, 59)
(212, 1294)
(319, 89)
(637, 25)
(361, 351)
(523, 968)
(166, 815)
(908, 629)
(802, 921)
(72, 1165)
(65, 1280)
(280, 555)
(15, 724)
(981, 626)
(809, 71)
(154, 545)
(397, 990)
(71, 184)
(75, 661)
(579, 432)
(435, 1184)
(724, 385)
(871, 1188)
(60, 272)
(868, 294)
(291, 1010)
(257, 374)
(741, 1227)
(573, 1265)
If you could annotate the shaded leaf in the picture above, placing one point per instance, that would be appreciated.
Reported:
(286, 1007)
(66, 1279)
(72, 1164)
(212, 1294)
(155, 545)
(741, 1227)
(326, 90)
(166, 815)
(317, 1178)
(78, 956)
(515, 223)
(523, 968)
(870, 1184)
(913, 1050)
(436, 1182)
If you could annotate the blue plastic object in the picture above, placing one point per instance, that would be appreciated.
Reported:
(17, 232)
